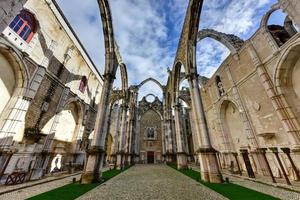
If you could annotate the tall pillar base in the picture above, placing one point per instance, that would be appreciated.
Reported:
(129, 159)
(209, 168)
(169, 157)
(182, 160)
(120, 160)
(92, 171)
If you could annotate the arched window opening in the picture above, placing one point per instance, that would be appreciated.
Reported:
(150, 87)
(150, 133)
(281, 27)
(83, 84)
(210, 56)
(24, 24)
(220, 86)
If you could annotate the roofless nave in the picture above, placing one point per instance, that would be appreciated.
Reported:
(58, 113)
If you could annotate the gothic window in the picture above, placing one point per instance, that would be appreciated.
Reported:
(83, 84)
(150, 133)
(24, 25)
(220, 86)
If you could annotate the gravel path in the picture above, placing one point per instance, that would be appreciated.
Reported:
(155, 182)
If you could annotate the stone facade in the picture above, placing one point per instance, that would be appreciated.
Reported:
(250, 104)
(150, 132)
(51, 92)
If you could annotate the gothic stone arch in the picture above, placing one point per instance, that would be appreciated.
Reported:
(232, 42)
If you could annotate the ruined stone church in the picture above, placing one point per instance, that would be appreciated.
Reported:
(58, 113)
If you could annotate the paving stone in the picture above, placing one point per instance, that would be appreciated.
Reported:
(151, 182)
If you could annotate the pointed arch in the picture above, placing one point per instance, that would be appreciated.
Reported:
(151, 80)
(124, 76)
(109, 41)
(232, 42)
(177, 78)
(266, 17)
(150, 94)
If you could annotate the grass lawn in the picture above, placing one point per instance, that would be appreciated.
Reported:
(74, 190)
(229, 190)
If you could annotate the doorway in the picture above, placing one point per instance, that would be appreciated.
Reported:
(150, 157)
(247, 163)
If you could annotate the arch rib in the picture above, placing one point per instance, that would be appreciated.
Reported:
(232, 42)
(153, 80)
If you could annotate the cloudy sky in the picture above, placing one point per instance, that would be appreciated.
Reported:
(147, 32)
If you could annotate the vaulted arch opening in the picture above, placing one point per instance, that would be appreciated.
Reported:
(287, 79)
(210, 55)
(7, 82)
(65, 124)
(13, 82)
(279, 25)
(152, 86)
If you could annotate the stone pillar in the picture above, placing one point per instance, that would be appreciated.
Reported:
(263, 151)
(275, 151)
(181, 154)
(168, 136)
(116, 135)
(130, 132)
(287, 151)
(194, 136)
(97, 149)
(209, 168)
(122, 137)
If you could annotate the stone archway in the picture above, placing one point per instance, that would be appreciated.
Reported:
(13, 86)
(66, 130)
(236, 138)
(66, 124)
(7, 82)
(233, 125)
(287, 79)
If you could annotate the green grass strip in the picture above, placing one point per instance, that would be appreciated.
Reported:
(74, 190)
(229, 190)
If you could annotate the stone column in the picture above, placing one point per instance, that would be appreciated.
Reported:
(192, 123)
(130, 133)
(116, 135)
(287, 151)
(181, 154)
(263, 152)
(275, 151)
(122, 137)
(97, 149)
(209, 168)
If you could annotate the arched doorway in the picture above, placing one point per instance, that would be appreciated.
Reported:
(7, 82)
(66, 129)
(237, 139)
